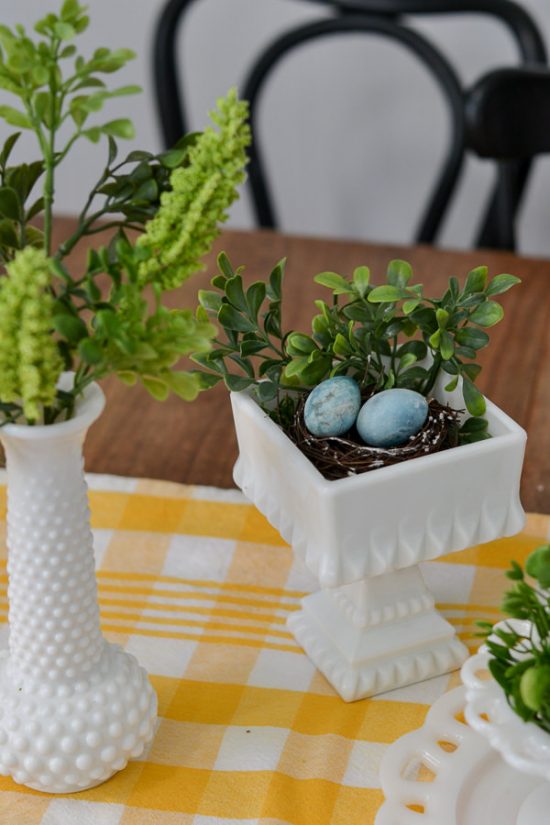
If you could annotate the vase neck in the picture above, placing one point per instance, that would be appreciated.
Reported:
(54, 618)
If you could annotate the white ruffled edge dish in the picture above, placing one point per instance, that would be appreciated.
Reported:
(445, 773)
(523, 745)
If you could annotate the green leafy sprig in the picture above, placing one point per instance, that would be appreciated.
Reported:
(49, 97)
(520, 662)
(383, 336)
(110, 317)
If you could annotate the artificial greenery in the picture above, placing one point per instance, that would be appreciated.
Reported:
(109, 317)
(385, 336)
(520, 662)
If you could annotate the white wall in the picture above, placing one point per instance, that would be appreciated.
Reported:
(354, 126)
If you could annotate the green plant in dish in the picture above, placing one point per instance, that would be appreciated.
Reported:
(520, 662)
(110, 317)
(391, 335)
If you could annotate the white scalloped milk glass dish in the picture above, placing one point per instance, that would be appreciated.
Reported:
(73, 708)
(523, 745)
(445, 773)
(373, 626)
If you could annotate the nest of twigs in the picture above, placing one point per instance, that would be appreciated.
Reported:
(342, 456)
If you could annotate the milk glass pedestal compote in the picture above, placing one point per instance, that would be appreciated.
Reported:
(373, 626)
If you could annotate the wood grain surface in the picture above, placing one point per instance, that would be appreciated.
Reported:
(195, 443)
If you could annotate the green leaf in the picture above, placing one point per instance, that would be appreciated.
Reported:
(251, 347)
(10, 205)
(474, 425)
(446, 347)
(333, 281)
(35, 237)
(237, 383)
(14, 117)
(476, 280)
(210, 300)
(7, 148)
(70, 327)
(255, 296)
(267, 391)
(472, 337)
(465, 352)
(296, 366)
(276, 280)
(93, 134)
(537, 565)
(156, 387)
(417, 348)
(435, 339)
(474, 400)
(451, 386)
(442, 318)
(121, 128)
(235, 293)
(124, 90)
(385, 294)
(230, 318)
(399, 273)
(108, 323)
(412, 376)
(35, 209)
(410, 306)
(471, 370)
(341, 346)
(501, 283)
(361, 278)
(148, 191)
(487, 314)
(224, 265)
(172, 158)
(407, 360)
(8, 234)
(185, 385)
(70, 9)
(90, 351)
(64, 31)
(315, 372)
(299, 344)
(206, 380)
(390, 380)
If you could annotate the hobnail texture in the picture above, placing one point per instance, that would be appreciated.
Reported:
(73, 708)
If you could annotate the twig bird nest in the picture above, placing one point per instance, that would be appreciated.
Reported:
(342, 456)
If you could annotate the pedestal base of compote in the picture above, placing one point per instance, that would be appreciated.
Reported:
(376, 635)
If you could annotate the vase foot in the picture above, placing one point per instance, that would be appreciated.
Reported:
(64, 738)
(361, 661)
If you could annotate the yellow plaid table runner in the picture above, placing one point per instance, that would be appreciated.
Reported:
(197, 585)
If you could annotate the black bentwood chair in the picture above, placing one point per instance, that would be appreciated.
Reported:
(385, 18)
(508, 120)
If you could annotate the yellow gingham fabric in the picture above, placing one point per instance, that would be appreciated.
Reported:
(198, 586)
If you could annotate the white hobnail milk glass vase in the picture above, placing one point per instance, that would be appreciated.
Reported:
(73, 708)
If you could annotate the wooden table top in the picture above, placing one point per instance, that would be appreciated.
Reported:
(195, 443)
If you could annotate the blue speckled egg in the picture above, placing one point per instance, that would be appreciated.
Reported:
(331, 408)
(391, 417)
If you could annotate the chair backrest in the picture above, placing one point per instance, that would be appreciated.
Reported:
(508, 120)
(381, 17)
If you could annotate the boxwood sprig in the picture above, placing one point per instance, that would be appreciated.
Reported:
(380, 335)
(520, 662)
(253, 351)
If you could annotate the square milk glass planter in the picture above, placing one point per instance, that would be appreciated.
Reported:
(373, 625)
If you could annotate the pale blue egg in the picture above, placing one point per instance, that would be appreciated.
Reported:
(391, 417)
(331, 408)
